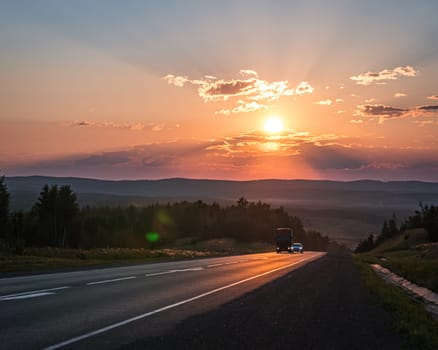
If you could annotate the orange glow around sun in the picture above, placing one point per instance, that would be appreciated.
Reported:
(273, 125)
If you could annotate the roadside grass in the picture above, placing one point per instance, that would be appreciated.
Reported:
(402, 241)
(407, 255)
(50, 258)
(409, 316)
(416, 266)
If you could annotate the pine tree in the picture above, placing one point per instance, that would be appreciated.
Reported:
(4, 210)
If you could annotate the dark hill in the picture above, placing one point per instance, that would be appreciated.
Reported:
(323, 194)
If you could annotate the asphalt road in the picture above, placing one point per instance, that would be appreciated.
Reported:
(322, 305)
(114, 307)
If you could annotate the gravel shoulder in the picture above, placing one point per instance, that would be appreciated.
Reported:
(323, 305)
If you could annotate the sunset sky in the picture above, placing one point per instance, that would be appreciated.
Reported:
(338, 90)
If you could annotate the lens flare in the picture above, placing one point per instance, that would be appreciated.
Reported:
(152, 237)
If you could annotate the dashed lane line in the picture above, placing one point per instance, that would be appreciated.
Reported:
(171, 306)
(110, 281)
(43, 292)
(174, 271)
(32, 294)
(215, 265)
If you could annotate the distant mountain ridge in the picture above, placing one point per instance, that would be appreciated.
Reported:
(401, 194)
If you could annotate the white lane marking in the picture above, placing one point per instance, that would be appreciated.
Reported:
(26, 296)
(230, 263)
(174, 271)
(113, 280)
(147, 314)
(32, 294)
(159, 273)
(214, 265)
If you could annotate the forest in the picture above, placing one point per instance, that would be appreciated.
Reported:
(426, 217)
(57, 220)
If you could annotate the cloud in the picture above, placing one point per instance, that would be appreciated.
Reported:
(105, 124)
(179, 80)
(248, 72)
(424, 111)
(433, 97)
(433, 108)
(243, 107)
(400, 94)
(256, 144)
(222, 90)
(247, 156)
(253, 93)
(381, 111)
(326, 152)
(114, 125)
(381, 77)
(331, 157)
(107, 158)
(372, 162)
(423, 123)
(82, 123)
(302, 88)
(389, 112)
(326, 102)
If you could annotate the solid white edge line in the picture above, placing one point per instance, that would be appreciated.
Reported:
(113, 280)
(147, 314)
(34, 291)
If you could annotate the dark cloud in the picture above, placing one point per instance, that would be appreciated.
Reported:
(382, 110)
(432, 108)
(108, 124)
(244, 155)
(229, 88)
(388, 112)
(331, 157)
(381, 163)
(83, 123)
(108, 158)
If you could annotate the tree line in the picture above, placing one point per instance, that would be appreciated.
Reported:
(426, 217)
(57, 220)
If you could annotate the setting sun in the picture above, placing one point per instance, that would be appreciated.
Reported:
(273, 125)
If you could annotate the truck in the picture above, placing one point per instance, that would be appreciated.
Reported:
(283, 239)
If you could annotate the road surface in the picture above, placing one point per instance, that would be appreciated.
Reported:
(323, 305)
(112, 307)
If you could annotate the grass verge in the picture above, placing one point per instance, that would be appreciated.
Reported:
(50, 258)
(415, 265)
(409, 316)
